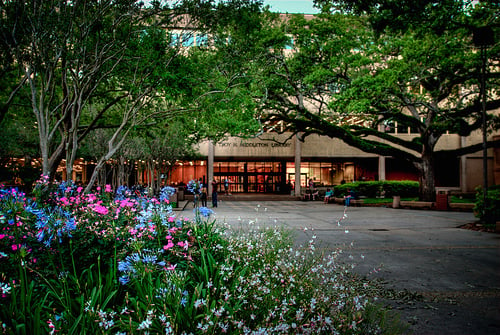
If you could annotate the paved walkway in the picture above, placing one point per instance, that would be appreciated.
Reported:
(453, 273)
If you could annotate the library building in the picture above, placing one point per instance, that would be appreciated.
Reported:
(272, 164)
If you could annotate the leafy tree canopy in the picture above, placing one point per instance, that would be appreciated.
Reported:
(348, 81)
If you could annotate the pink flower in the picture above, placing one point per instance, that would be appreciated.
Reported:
(171, 267)
(79, 189)
(184, 245)
(64, 201)
(168, 246)
(91, 197)
(101, 209)
(108, 188)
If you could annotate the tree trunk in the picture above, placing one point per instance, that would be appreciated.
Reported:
(95, 174)
(54, 160)
(427, 188)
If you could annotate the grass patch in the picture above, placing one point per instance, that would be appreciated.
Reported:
(378, 201)
(461, 200)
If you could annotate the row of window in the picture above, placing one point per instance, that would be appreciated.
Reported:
(188, 39)
(196, 39)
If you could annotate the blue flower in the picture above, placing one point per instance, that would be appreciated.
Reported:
(149, 259)
(162, 292)
(124, 280)
(66, 187)
(52, 222)
(60, 317)
(135, 257)
(193, 186)
(205, 211)
(125, 266)
(166, 193)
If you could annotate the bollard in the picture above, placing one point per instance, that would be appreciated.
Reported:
(396, 201)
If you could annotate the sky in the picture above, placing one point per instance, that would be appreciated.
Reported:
(280, 6)
(292, 6)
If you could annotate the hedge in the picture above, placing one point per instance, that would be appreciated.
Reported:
(373, 189)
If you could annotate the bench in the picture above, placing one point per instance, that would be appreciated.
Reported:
(353, 202)
(462, 206)
(417, 204)
(311, 196)
(356, 202)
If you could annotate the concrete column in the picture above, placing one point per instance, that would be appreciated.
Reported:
(210, 166)
(463, 167)
(496, 164)
(381, 159)
(298, 157)
(381, 167)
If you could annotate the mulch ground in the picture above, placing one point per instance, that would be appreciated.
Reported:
(476, 226)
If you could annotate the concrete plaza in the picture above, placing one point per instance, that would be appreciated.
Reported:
(451, 274)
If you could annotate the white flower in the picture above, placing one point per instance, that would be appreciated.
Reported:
(5, 288)
(145, 324)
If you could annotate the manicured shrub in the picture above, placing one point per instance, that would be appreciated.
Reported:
(373, 189)
(489, 213)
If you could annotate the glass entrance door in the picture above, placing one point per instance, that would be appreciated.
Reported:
(264, 183)
(252, 177)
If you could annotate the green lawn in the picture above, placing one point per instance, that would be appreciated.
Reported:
(384, 200)
(453, 199)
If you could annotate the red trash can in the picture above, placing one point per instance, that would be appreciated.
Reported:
(442, 201)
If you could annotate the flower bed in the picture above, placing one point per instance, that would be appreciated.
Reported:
(122, 263)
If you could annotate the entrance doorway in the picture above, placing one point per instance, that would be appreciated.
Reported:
(251, 177)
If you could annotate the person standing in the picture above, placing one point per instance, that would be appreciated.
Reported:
(226, 186)
(203, 194)
(311, 185)
(214, 193)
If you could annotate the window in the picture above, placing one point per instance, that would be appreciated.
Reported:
(187, 40)
(402, 129)
(413, 130)
(390, 127)
(201, 40)
(174, 39)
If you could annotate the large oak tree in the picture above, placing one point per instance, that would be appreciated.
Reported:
(344, 80)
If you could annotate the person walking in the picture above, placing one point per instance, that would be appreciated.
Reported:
(351, 195)
(214, 193)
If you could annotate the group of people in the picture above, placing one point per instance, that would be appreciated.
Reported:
(347, 198)
(203, 196)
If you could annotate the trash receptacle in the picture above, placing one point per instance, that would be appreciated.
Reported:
(180, 193)
(174, 200)
(442, 200)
